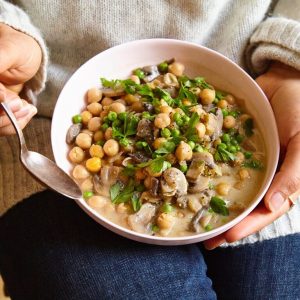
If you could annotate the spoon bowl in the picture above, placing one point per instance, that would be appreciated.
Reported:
(41, 167)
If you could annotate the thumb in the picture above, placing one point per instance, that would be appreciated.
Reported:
(287, 180)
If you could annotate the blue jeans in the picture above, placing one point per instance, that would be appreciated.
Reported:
(50, 249)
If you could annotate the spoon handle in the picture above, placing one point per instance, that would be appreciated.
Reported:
(14, 122)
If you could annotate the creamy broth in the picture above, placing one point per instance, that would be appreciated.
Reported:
(168, 155)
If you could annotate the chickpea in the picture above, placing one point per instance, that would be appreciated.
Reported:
(106, 101)
(176, 68)
(222, 104)
(239, 158)
(95, 108)
(135, 79)
(87, 185)
(94, 95)
(223, 188)
(108, 133)
(83, 140)
(207, 96)
(76, 155)
(111, 147)
(244, 117)
(229, 122)
(122, 208)
(170, 79)
(194, 204)
(97, 201)
(117, 107)
(140, 175)
(94, 124)
(103, 113)
(93, 164)
(198, 109)
(158, 143)
(184, 151)
(147, 182)
(86, 116)
(96, 151)
(186, 102)
(130, 99)
(162, 120)
(166, 109)
(138, 106)
(230, 99)
(98, 136)
(244, 174)
(201, 129)
(165, 221)
(80, 172)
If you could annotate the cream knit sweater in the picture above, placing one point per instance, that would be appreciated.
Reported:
(250, 33)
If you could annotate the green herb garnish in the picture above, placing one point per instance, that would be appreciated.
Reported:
(218, 205)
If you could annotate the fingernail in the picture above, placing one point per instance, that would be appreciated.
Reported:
(15, 104)
(276, 201)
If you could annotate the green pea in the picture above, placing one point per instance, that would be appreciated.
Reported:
(163, 67)
(225, 112)
(140, 144)
(234, 114)
(124, 142)
(232, 149)
(238, 148)
(239, 138)
(198, 148)
(248, 154)
(112, 116)
(185, 119)
(208, 227)
(167, 208)
(192, 144)
(175, 132)
(234, 142)
(183, 167)
(222, 146)
(87, 194)
(139, 73)
(179, 122)
(226, 138)
(166, 133)
(100, 143)
(154, 228)
(122, 116)
(77, 119)
(104, 126)
(176, 117)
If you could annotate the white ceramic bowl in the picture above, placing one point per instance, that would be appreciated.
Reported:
(118, 62)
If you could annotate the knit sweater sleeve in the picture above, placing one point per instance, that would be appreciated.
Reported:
(16, 18)
(276, 38)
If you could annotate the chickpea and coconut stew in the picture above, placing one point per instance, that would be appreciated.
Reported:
(164, 154)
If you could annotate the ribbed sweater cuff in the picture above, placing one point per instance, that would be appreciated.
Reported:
(17, 19)
(277, 39)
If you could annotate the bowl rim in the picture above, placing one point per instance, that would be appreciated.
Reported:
(179, 240)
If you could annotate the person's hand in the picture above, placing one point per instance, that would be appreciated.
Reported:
(281, 85)
(20, 59)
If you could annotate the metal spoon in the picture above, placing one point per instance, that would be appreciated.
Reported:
(44, 169)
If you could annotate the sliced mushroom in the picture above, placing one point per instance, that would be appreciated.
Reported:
(148, 197)
(145, 130)
(151, 73)
(108, 176)
(214, 124)
(154, 184)
(195, 170)
(182, 201)
(173, 183)
(200, 185)
(209, 161)
(72, 133)
(113, 93)
(138, 157)
(194, 225)
(140, 221)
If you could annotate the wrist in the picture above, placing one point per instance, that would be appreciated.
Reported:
(277, 76)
